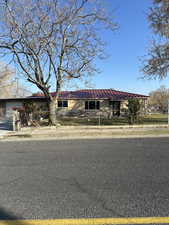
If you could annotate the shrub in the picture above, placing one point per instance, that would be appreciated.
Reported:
(133, 110)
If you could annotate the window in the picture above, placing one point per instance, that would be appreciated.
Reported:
(92, 105)
(62, 104)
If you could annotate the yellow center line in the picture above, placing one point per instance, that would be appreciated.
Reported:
(91, 221)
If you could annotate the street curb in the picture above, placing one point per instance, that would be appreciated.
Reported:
(95, 127)
(93, 132)
(42, 138)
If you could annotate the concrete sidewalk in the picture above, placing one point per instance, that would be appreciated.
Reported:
(3, 132)
(76, 132)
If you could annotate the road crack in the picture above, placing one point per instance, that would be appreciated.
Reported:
(92, 195)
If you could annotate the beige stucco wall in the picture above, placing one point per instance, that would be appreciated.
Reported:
(73, 106)
(78, 106)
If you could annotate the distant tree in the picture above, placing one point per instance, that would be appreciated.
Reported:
(158, 100)
(133, 110)
(53, 40)
(156, 63)
(10, 87)
(6, 80)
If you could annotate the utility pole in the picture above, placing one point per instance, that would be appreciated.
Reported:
(168, 111)
(17, 86)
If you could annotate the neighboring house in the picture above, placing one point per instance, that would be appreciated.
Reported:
(92, 102)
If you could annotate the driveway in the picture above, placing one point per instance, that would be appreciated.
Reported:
(5, 126)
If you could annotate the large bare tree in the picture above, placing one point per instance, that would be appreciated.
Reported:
(156, 63)
(53, 40)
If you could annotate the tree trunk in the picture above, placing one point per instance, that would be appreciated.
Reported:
(52, 112)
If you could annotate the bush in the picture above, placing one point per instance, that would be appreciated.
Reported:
(35, 111)
(133, 110)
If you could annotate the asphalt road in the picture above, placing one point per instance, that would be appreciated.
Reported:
(84, 178)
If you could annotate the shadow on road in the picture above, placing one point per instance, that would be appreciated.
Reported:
(8, 218)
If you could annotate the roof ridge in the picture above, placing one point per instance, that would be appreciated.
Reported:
(108, 89)
(94, 93)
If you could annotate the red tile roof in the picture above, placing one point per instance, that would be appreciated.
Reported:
(95, 94)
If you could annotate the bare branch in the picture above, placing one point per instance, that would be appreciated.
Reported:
(53, 40)
(156, 63)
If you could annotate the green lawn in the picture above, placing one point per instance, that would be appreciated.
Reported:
(156, 119)
(149, 119)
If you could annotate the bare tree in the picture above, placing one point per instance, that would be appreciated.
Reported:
(10, 86)
(158, 100)
(6, 83)
(156, 63)
(53, 40)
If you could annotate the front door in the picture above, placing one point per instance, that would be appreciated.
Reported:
(115, 105)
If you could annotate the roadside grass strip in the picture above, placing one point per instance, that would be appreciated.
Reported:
(90, 221)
